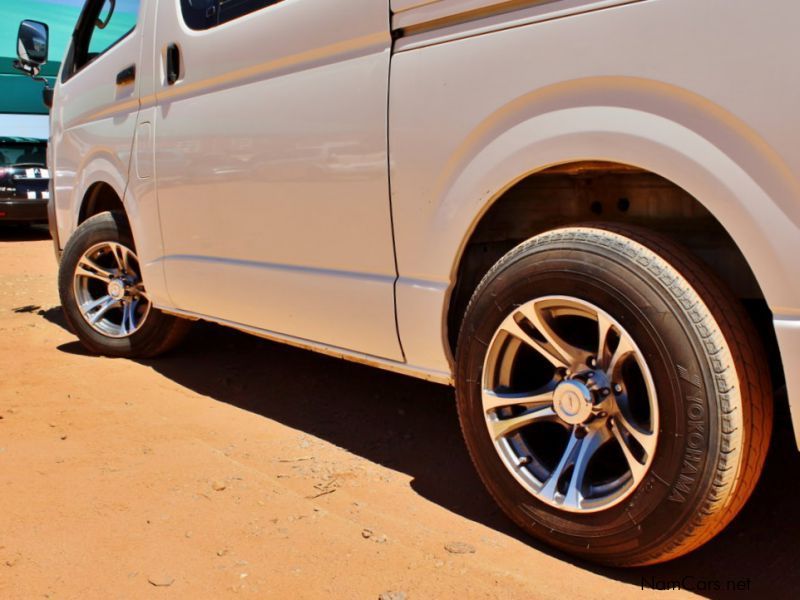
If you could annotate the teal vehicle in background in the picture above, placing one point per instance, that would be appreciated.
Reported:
(24, 120)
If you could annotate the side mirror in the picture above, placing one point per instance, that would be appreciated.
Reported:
(32, 42)
(47, 96)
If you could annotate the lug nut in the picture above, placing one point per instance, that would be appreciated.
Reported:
(580, 432)
(591, 362)
(617, 388)
(605, 392)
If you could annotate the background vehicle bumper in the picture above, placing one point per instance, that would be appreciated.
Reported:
(23, 211)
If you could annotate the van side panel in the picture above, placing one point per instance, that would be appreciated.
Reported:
(272, 171)
(93, 122)
(667, 86)
(141, 201)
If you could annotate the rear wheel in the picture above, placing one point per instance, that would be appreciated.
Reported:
(103, 295)
(613, 394)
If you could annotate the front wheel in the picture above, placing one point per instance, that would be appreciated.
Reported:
(612, 394)
(103, 295)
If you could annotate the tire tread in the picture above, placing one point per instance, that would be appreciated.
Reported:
(725, 327)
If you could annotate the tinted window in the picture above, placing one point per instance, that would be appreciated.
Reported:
(19, 153)
(204, 14)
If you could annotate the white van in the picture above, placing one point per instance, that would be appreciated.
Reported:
(583, 214)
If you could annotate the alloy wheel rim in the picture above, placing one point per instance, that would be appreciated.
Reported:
(569, 403)
(109, 290)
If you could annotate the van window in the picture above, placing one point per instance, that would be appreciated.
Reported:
(205, 14)
(103, 23)
(117, 18)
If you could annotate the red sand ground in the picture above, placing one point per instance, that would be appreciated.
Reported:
(239, 466)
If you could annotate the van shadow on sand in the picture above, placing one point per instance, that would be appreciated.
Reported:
(411, 426)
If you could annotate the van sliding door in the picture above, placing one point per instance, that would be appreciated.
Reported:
(271, 160)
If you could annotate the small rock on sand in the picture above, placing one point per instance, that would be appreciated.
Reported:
(459, 548)
(161, 580)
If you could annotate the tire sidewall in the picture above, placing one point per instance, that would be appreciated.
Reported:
(104, 227)
(686, 455)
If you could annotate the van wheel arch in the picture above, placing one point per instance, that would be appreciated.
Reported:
(611, 194)
(100, 198)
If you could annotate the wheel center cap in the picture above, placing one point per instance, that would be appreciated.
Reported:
(116, 289)
(572, 401)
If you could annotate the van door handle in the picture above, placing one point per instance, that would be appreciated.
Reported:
(173, 64)
(127, 75)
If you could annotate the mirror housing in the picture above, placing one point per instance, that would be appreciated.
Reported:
(47, 96)
(33, 39)
(32, 43)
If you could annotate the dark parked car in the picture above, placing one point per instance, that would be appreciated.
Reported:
(24, 180)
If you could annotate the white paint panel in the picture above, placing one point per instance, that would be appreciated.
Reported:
(93, 125)
(276, 159)
(787, 330)
(143, 150)
(639, 83)
(294, 299)
(401, 5)
(509, 11)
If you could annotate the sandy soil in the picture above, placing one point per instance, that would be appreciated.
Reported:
(239, 466)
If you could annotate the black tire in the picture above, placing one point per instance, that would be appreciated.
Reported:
(707, 364)
(158, 333)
